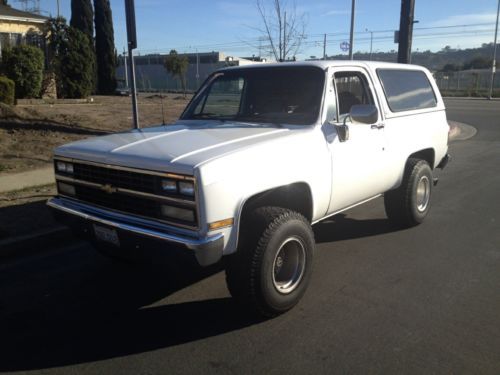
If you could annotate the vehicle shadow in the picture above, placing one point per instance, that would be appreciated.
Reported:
(88, 308)
(340, 227)
(25, 218)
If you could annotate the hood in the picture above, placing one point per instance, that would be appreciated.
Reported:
(178, 148)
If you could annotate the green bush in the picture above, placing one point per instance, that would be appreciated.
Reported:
(24, 65)
(7, 90)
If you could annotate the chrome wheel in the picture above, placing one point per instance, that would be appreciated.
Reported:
(423, 193)
(289, 265)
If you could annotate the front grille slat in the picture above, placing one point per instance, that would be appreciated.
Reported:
(134, 181)
(124, 179)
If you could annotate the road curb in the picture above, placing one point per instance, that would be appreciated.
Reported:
(36, 242)
(460, 131)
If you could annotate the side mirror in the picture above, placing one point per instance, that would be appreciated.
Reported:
(364, 113)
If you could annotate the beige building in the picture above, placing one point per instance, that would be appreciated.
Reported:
(17, 27)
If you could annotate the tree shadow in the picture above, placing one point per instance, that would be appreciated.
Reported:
(340, 227)
(50, 126)
(103, 312)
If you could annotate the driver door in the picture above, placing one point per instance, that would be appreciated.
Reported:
(358, 162)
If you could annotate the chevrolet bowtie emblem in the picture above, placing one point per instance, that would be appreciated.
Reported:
(108, 189)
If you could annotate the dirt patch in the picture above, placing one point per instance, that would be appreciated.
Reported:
(29, 133)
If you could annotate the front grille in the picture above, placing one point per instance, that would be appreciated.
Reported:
(126, 202)
(118, 178)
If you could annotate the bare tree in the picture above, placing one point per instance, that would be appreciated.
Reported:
(283, 27)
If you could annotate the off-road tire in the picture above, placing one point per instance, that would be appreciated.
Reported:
(271, 269)
(409, 204)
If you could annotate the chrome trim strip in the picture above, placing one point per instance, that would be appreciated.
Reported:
(190, 243)
(126, 169)
(345, 209)
(134, 193)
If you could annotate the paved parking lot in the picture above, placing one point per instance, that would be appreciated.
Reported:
(423, 300)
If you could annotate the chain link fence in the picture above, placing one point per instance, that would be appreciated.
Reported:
(474, 82)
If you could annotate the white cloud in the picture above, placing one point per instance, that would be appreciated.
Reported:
(464, 19)
(337, 12)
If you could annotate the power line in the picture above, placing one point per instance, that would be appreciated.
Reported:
(256, 42)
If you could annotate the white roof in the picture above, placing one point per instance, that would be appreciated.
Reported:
(336, 63)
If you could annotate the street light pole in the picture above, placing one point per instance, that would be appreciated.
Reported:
(351, 38)
(125, 66)
(494, 64)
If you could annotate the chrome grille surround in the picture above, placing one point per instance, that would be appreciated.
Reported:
(127, 190)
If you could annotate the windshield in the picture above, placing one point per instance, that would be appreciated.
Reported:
(282, 95)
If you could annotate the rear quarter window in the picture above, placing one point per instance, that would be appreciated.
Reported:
(407, 90)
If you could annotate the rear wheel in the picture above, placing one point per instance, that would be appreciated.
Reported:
(271, 269)
(409, 204)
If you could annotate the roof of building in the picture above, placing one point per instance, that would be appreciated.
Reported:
(7, 12)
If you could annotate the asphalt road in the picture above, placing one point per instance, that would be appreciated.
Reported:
(418, 301)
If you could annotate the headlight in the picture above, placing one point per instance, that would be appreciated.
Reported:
(177, 213)
(66, 188)
(169, 186)
(64, 167)
(186, 188)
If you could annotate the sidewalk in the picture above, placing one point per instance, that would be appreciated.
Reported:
(19, 181)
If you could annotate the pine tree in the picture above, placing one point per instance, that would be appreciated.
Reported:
(105, 47)
(78, 73)
(82, 18)
(70, 57)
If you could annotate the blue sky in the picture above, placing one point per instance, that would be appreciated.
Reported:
(229, 25)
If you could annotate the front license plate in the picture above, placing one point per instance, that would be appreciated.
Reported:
(106, 235)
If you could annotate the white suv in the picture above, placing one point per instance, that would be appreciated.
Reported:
(259, 155)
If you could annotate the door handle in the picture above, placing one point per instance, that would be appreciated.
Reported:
(378, 126)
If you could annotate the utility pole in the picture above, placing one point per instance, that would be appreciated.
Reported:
(197, 70)
(406, 31)
(494, 64)
(351, 38)
(371, 42)
(58, 10)
(324, 48)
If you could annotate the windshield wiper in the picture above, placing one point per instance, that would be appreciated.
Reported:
(259, 118)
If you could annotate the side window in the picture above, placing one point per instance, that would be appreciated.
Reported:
(407, 89)
(352, 89)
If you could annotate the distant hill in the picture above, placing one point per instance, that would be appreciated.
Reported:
(453, 59)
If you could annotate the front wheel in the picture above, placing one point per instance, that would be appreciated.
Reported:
(409, 204)
(271, 269)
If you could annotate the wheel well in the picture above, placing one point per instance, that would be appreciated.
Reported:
(428, 155)
(296, 197)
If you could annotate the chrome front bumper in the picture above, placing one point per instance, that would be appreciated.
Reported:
(207, 250)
